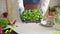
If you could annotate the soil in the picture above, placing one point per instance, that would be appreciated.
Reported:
(13, 32)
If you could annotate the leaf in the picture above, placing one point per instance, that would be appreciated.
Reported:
(32, 15)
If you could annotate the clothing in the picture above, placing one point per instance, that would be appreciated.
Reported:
(21, 6)
(32, 1)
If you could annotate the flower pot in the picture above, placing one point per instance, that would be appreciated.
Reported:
(5, 14)
(51, 13)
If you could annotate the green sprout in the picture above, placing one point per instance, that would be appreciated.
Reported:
(6, 32)
(55, 32)
(9, 31)
(32, 15)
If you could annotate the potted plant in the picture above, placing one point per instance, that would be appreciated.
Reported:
(3, 24)
(5, 14)
(8, 30)
(52, 11)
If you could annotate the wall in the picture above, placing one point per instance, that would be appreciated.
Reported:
(59, 2)
(2, 6)
(14, 13)
(15, 10)
(54, 2)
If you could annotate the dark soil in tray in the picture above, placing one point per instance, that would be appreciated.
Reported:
(31, 21)
(13, 32)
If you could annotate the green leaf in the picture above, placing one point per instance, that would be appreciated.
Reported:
(33, 15)
(3, 23)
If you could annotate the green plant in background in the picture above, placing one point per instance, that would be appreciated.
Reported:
(58, 21)
(3, 23)
(52, 8)
(58, 15)
(58, 11)
(50, 23)
(55, 32)
(32, 15)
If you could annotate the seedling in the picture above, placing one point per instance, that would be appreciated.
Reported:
(12, 27)
(3, 23)
(55, 32)
(9, 31)
(9, 22)
(32, 15)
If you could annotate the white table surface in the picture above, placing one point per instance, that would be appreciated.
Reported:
(33, 28)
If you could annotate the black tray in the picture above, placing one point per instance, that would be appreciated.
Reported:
(13, 32)
(31, 21)
(27, 21)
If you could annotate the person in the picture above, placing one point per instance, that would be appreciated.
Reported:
(31, 1)
(32, 4)
(21, 6)
(44, 7)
